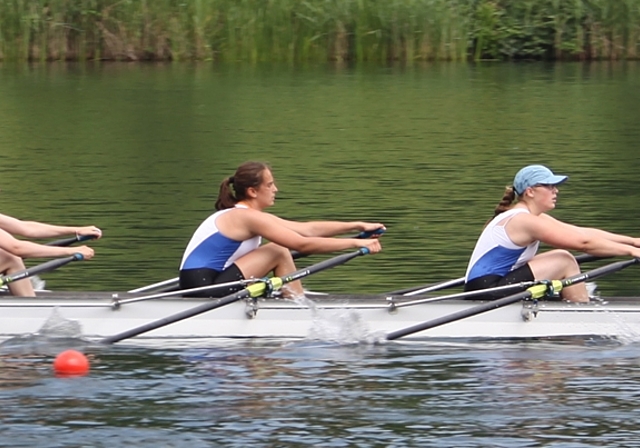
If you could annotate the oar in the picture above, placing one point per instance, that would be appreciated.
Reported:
(446, 284)
(69, 241)
(255, 290)
(535, 292)
(38, 269)
(362, 235)
(117, 303)
(173, 283)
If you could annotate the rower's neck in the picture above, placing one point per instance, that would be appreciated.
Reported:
(245, 204)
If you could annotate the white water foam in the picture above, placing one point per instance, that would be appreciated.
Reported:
(339, 326)
(625, 333)
(56, 333)
(57, 326)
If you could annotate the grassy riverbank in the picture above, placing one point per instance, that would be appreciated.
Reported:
(319, 30)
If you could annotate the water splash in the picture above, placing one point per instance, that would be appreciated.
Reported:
(624, 333)
(56, 333)
(339, 326)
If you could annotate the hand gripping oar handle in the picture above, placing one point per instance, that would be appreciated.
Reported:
(254, 290)
(71, 240)
(534, 292)
(39, 269)
(361, 236)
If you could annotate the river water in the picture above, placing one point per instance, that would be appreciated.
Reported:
(139, 150)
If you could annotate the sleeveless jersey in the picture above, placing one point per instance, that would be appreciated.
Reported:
(495, 253)
(209, 248)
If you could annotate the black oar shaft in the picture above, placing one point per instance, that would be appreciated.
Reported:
(537, 291)
(255, 290)
(39, 269)
(459, 315)
(191, 312)
(446, 284)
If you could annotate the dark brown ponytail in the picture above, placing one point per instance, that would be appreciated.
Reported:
(234, 188)
(505, 203)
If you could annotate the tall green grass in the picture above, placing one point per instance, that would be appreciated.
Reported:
(318, 30)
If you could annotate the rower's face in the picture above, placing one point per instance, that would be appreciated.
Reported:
(546, 194)
(266, 192)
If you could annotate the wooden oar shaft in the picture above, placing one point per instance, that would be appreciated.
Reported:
(536, 292)
(255, 290)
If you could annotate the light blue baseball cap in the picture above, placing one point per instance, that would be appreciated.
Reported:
(532, 175)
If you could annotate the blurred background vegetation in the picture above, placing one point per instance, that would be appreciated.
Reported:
(318, 30)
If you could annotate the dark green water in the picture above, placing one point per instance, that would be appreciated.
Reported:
(139, 150)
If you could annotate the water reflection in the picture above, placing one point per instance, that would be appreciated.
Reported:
(427, 150)
(240, 392)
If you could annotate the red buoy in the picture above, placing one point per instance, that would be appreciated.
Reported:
(71, 362)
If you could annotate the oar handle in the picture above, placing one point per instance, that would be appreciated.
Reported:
(369, 233)
(39, 269)
(71, 240)
(362, 236)
(586, 258)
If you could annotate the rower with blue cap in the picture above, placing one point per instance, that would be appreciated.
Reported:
(506, 251)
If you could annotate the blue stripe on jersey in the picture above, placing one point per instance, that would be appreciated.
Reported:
(212, 253)
(497, 261)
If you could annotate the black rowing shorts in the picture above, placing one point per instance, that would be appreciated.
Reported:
(195, 278)
(522, 274)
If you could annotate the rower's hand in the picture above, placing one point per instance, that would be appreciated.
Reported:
(90, 231)
(372, 244)
(86, 252)
(376, 229)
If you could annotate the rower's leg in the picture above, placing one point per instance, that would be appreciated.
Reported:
(10, 264)
(557, 265)
(267, 258)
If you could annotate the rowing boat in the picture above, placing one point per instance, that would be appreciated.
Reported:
(252, 312)
(342, 317)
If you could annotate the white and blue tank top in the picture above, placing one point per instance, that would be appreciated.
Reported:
(209, 248)
(495, 253)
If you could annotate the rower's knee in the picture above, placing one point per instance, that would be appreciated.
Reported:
(281, 253)
(10, 263)
(568, 260)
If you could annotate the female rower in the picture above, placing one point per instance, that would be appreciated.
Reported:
(226, 246)
(13, 250)
(506, 250)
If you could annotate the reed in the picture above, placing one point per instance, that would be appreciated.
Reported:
(318, 30)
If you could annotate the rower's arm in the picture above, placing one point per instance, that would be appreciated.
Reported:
(566, 236)
(34, 229)
(330, 228)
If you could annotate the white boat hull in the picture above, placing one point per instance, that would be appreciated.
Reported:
(333, 317)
